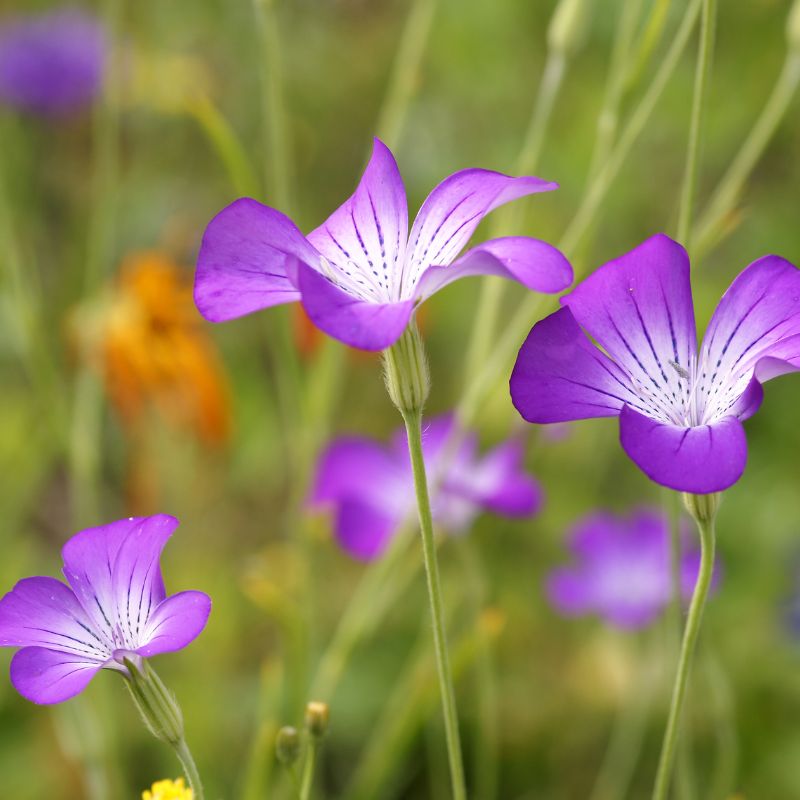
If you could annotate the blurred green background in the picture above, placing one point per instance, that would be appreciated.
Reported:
(559, 685)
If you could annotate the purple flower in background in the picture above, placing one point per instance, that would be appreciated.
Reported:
(114, 607)
(371, 485)
(680, 413)
(621, 570)
(51, 64)
(360, 274)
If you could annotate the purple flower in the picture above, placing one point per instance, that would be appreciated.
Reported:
(51, 64)
(680, 413)
(114, 607)
(372, 487)
(621, 570)
(360, 274)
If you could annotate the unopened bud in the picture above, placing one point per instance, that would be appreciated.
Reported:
(317, 715)
(793, 26)
(702, 507)
(406, 371)
(288, 745)
(568, 26)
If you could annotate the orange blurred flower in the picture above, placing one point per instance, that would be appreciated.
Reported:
(147, 341)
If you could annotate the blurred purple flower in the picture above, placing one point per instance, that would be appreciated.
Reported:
(622, 570)
(680, 414)
(371, 486)
(361, 273)
(52, 63)
(115, 607)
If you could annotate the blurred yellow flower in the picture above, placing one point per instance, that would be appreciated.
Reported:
(147, 341)
(168, 790)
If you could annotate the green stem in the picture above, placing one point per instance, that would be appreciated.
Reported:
(308, 770)
(712, 222)
(278, 167)
(707, 27)
(405, 71)
(189, 768)
(413, 423)
(691, 631)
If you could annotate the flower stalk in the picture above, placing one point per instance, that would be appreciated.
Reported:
(703, 509)
(161, 714)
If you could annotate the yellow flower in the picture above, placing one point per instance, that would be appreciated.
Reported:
(168, 790)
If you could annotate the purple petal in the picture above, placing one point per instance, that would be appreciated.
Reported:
(533, 263)
(453, 210)
(354, 468)
(365, 239)
(704, 459)
(137, 584)
(247, 260)
(569, 592)
(364, 531)
(52, 63)
(175, 623)
(639, 308)
(358, 323)
(45, 612)
(560, 376)
(46, 676)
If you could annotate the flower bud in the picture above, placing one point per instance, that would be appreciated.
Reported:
(793, 26)
(702, 507)
(317, 715)
(568, 26)
(288, 745)
(406, 372)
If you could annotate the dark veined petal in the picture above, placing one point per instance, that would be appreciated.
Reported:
(246, 260)
(754, 332)
(560, 376)
(176, 622)
(531, 262)
(453, 210)
(365, 239)
(136, 579)
(703, 459)
(639, 308)
(359, 323)
(47, 676)
(45, 612)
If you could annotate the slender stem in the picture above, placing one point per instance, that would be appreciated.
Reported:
(707, 545)
(707, 27)
(649, 40)
(308, 770)
(189, 768)
(404, 79)
(278, 167)
(713, 220)
(413, 423)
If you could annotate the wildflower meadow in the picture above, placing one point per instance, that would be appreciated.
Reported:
(399, 400)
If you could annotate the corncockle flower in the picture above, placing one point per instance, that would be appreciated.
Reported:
(371, 486)
(113, 611)
(361, 273)
(680, 410)
(622, 570)
(52, 63)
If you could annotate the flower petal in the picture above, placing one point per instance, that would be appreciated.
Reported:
(531, 262)
(758, 318)
(136, 580)
(246, 261)
(358, 323)
(704, 459)
(364, 531)
(45, 612)
(365, 239)
(559, 375)
(176, 622)
(47, 676)
(639, 308)
(569, 592)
